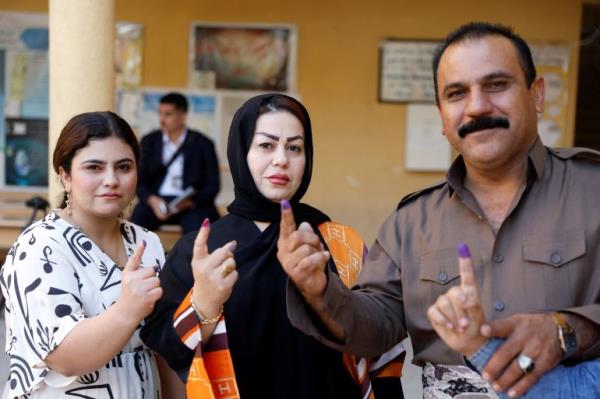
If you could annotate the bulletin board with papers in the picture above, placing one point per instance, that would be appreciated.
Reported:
(406, 76)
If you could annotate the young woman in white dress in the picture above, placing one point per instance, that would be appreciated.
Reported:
(79, 282)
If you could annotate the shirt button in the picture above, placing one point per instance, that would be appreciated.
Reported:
(555, 258)
(498, 258)
(499, 306)
(442, 277)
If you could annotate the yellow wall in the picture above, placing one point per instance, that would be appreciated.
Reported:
(359, 167)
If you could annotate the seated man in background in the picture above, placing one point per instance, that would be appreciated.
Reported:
(179, 173)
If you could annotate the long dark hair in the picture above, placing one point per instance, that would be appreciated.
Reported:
(82, 128)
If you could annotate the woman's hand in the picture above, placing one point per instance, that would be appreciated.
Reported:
(214, 274)
(140, 287)
(457, 315)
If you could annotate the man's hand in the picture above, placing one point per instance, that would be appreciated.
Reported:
(302, 255)
(457, 315)
(157, 205)
(214, 274)
(533, 335)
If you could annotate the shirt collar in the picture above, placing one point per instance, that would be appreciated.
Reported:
(165, 138)
(536, 156)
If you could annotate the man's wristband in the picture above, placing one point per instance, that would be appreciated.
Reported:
(566, 335)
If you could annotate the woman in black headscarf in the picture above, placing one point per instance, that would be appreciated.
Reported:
(235, 275)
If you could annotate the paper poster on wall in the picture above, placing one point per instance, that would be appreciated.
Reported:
(405, 71)
(242, 57)
(552, 62)
(129, 49)
(23, 100)
(426, 148)
(26, 152)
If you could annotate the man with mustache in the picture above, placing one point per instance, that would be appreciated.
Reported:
(527, 212)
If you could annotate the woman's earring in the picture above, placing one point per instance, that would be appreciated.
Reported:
(68, 203)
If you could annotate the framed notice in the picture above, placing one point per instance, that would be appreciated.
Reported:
(405, 73)
(242, 57)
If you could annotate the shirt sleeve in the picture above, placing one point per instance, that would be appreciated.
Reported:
(372, 313)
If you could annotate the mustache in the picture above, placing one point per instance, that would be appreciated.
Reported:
(485, 122)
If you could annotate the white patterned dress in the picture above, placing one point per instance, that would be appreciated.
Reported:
(53, 278)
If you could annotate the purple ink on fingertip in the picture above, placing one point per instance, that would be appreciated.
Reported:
(463, 250)
(144, 243)
(285, 204)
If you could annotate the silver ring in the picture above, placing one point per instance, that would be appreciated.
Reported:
(525, 363)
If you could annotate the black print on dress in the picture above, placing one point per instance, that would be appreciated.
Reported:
(116, 361)
(32, 240)
(20, 373)
(79, 245)
(90, 378)
(62, 310)
(141, 368)
(103, 391)
(47, 262)
(128, 233)
(103, 269)
(113, 278)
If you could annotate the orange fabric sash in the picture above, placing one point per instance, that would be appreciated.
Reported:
(212, 375)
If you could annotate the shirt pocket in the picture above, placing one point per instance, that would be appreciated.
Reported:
(438, 271)
(557, 260)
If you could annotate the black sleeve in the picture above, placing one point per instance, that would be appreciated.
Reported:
(211, 183)
(387, 388)
(158, 333)
(148, 169)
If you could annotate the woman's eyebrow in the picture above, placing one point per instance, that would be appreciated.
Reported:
(276, 138)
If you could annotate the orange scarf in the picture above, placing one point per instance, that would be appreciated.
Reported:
(212, 375)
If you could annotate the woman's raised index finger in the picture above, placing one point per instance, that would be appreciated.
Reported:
(133, 263)
(200, 247)
(288, 224)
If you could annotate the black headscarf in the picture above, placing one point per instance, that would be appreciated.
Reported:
(264, 345)
(249, 202)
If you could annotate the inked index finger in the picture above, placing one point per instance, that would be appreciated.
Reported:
(288, 224)
(465, 266)
(200, 247)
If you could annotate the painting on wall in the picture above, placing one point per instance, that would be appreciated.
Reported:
(242, 57)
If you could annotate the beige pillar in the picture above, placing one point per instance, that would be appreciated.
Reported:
(82, 75)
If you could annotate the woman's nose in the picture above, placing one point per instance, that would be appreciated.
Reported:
(280, 157)
(110, 178)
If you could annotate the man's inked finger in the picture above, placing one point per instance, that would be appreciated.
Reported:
(467, 275)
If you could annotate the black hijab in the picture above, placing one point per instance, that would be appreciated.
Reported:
(249, 202)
